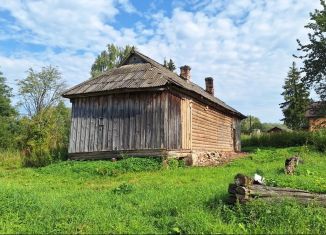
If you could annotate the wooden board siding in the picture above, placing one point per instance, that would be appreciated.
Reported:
(211, 130)
(186, 123)
(130, 121)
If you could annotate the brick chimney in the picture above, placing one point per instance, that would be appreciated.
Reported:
(185, 72)
(209, 85)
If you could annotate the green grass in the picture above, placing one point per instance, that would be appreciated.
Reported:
(139, 196)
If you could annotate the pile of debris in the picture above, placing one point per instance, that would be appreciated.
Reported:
(245, 189)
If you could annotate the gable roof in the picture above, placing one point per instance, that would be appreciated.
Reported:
(316, 109)
(143, 72)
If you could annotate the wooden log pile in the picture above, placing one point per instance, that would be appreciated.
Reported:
(244, 189)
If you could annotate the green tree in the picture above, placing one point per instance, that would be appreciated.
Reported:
(110, 58)
(169, 65)
(8, 116)
(250, 123)
(6, 109)
(296, 100)
(314, 53)
(41, 90)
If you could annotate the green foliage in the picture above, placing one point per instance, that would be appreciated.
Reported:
(6, 109)
(169, 65)
(314, 52)
(10, 159)
(41, 90)
(44, 137)
(123, 189)
(66, 198)
(296, 100)
(318, 140)
(287, 139)
(175, 163)
(105, 168)
(250, 123)
(8, 116)
(110, 58)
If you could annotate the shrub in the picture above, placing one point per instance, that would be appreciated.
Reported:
(38, 158)
(316, 139)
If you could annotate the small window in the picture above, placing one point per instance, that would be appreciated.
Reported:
(100, 121)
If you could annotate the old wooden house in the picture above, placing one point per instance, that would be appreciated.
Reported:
(141, 108)
(316, 115)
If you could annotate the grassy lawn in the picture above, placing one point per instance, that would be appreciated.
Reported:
(137, 196)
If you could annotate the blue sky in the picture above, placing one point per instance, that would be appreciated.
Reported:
(246, 46)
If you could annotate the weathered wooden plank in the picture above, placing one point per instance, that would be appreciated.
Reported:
(79, 127)
(110, 123)
(87, 124)
(154, 122)
(96, 122)
(161, 136)
(126, 117)
(166, 119)
(115, 115)
(179, 125)
(149, 120)
(100, 124)
(132, 132)
(143, 113)
(137, 122)
(105, 122)
(171, 122)
(73, 129)
(121, 121)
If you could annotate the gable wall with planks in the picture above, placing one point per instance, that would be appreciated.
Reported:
(129, 121)
(210, 129)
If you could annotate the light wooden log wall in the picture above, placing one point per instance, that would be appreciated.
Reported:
(211, 130)
(186, 123)
(129, 121)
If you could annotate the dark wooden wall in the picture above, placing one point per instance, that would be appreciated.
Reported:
(130, 121)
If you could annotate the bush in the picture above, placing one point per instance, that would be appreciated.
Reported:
(316, 139)
(37, 158)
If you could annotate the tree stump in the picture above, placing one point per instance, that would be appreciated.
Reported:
(290, 164)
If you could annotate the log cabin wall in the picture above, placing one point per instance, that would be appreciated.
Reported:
(129, 121)
(317, 123)
(210, 130)
(186, 123)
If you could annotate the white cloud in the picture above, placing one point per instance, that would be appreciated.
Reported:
(246, 46)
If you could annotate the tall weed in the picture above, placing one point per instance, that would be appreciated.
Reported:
(10, 159)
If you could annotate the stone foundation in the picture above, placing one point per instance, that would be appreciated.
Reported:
(203, 158)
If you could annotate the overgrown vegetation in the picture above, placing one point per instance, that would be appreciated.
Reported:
(41, 136)
(144, 197)
(316, 139)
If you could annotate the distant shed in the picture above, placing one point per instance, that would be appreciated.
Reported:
(142, 108)
(275, 129)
